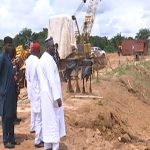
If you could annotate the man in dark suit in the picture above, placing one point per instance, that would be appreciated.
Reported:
(7, 93)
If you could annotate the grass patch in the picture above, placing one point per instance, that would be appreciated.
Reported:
(129, 69)
(119, 71)
(140, 80)
(98, 79)
(146, 65)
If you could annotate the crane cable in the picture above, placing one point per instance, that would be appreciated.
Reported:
(79, 8)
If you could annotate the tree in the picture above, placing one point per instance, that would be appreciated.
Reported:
(23, 37)
(26, 36)
(106, 44)
(117, 40)
(99, 41)
(143, 34)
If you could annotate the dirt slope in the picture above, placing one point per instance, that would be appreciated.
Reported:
(119, 120)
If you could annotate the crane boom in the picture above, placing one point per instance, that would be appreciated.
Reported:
(84, 34)
(89, 18)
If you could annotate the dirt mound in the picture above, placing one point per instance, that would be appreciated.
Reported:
(122, 116)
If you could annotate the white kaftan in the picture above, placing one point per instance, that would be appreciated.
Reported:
(34, 96)
(53, 125)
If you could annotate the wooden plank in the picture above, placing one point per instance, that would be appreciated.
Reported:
(86, 96)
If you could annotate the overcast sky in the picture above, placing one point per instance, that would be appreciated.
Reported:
(112, 17)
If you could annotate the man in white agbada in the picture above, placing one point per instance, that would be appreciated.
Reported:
(34, 93)
(53, 125)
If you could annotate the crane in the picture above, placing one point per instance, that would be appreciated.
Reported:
(81, 58)
(85, 32)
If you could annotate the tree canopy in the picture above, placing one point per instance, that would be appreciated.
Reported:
(26, 36)
(143, 34)
(110, 45)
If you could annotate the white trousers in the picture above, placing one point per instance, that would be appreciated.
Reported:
(32, 121)
(38, 128)
(54, 146)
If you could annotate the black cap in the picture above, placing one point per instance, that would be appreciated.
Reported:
(8, 39)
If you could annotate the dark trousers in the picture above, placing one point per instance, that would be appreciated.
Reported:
(8, 129)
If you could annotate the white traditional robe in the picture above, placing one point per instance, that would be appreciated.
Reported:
(32, 82)
(34, 96)
(53, 125)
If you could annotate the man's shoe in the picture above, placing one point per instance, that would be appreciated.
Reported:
(41, 144)
(9, 145)
(32, 131)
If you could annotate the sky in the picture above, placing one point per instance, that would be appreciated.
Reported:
(112, 17)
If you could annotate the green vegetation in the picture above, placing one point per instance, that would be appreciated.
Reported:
(143, 34)
(140, 72)
(109, 45)
(135, 78)
(120, 70)
(106, 44)
(146, 65)
(26, 36)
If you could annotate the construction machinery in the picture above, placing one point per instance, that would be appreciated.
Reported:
(75, 54)
(84, 46)
(81, 60)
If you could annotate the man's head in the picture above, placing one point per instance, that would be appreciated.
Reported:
(11, 51)
(7, 40)
(50, 47)
(8, 46)
(35, 48)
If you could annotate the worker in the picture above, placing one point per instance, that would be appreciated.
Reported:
(53, 125)
(34, 93)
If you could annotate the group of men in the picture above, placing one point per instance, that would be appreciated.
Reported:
(44, 93)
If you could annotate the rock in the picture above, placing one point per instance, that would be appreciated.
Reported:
(119, 139)
(103, 128)
(125, 138)
(76, 123)
(98, 132)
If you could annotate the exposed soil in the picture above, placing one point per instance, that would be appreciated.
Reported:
(119, 119)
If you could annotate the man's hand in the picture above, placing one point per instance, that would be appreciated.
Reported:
(59, 101)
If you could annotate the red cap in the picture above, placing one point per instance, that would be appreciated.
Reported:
(35, 47)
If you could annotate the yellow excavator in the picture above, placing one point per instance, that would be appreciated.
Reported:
(82, 55)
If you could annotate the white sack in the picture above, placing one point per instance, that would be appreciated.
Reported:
(62, 30)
